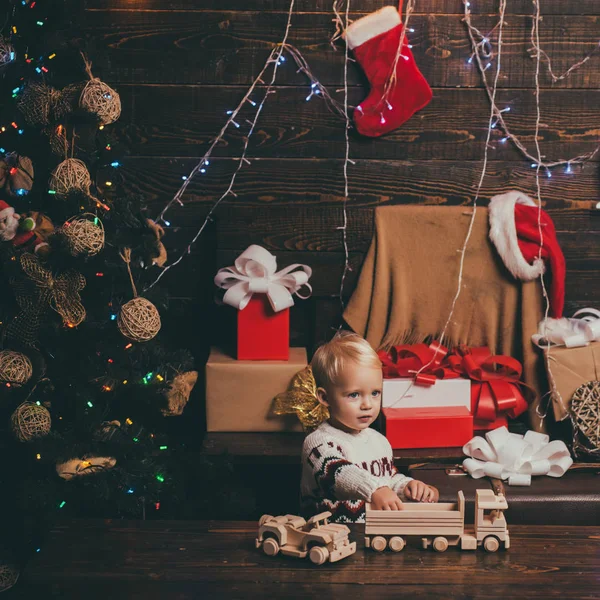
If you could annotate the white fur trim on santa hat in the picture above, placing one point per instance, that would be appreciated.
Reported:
(372, 25)
(503, 233)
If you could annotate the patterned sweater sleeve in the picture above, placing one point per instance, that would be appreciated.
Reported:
(335, 475)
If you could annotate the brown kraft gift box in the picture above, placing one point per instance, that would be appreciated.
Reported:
(240, 393)
(569, 368)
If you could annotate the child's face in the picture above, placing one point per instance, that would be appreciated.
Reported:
(355, 399)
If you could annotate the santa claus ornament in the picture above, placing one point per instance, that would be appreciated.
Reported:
(21, 237)
(398, 89)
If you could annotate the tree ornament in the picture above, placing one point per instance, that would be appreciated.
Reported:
(9, 575)
(139, 320)
(17, 173)
(99, 98)
(30, 421)
(15, 368)
(178, 393)
(42, 104)
(84, 234)
(69, 176)
(159, 232)
(7, 53)
(585, 412)
(87, 465)
(60, 292)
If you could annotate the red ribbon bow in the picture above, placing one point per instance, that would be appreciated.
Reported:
(425, 363)
(495, 383)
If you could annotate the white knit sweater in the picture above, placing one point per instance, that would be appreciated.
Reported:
(340, 471)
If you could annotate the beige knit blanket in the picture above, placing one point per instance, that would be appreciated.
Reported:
(410, 277)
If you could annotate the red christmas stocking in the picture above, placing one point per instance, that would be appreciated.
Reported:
(375, 40)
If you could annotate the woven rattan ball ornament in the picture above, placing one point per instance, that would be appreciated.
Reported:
(15, 368)
(30, 421)
(69, 176)
(85, 235)
(101, 100)
(9, 575)
(139, 319)
(7, 52)
(585, 412)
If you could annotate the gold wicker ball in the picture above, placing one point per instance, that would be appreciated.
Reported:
(585, 411)
(85, 235)
(139, 320)
(15, 368)
(70, 175)
(30, 421)
(7, 52)
(100, 99)
(9, 575)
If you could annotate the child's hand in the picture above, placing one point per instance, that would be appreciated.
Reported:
(421, 492)
(384, 498)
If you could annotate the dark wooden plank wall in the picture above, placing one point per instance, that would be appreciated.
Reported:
(180, 64)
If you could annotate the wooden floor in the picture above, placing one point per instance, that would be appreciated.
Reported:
(178, 560)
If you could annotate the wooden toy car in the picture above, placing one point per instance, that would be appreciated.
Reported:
(440, 525)
(293, 536)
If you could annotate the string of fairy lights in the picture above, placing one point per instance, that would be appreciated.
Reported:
(342, 25)
(41, 68)
(482, 55)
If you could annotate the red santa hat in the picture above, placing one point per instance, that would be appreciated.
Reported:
(515, 232)
(6, 210)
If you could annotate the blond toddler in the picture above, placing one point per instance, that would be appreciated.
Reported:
(345, 463)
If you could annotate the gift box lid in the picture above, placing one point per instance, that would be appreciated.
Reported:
(220, 358)
(427, 412)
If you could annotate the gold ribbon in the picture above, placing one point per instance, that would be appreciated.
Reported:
(61, 292)
(301, 398)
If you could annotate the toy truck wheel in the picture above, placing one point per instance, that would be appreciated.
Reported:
(440, 544)
(491, 544)
(378, 543)
(264, 519)
(396, 544)
(318, 555)
(270, 547)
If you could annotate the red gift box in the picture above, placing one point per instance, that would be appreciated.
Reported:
(262, 333)
(262, 296)
(440, 427)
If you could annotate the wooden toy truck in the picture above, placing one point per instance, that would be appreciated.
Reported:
(440, 525)
(316, 538)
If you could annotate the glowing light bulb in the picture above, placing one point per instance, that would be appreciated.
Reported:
(568, 169)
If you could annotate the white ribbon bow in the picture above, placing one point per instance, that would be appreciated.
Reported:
(516, 457)
(571, 333)
(255, 271)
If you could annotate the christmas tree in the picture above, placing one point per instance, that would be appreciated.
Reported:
(91, 365)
